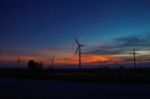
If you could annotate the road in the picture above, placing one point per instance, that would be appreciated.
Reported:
(50, 89)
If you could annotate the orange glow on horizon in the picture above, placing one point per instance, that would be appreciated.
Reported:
(63, 58)
(58, 60)
(99, 58)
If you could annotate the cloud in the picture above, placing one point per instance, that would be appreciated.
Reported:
(122, 47)
(132, 41)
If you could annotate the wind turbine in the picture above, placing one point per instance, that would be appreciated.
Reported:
(132, 41)
(134, 57)
(18, 61)
(78, 50)
(52, 62)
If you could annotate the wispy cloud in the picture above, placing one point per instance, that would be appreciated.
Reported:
(122, 47)
(133, 41)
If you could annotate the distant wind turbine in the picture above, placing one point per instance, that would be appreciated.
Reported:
(78, 50)
(132, 42)
(52, 62)
(134, 57)
(18, 61)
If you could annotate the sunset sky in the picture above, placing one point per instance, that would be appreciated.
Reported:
(40, 29)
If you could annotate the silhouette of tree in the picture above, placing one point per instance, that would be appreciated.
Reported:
(121, 67)
(32, 65)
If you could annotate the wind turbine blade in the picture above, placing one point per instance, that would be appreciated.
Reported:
(76, 40)
(76, 51)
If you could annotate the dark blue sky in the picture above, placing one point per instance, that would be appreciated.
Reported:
(28, 26)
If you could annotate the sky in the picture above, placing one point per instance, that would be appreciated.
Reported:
(41, 29)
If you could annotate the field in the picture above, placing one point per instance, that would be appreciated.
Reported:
(75, 84)
(11, 88)
(87, 75)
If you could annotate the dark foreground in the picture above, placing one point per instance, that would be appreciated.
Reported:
(11, 88)
(86, 75)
